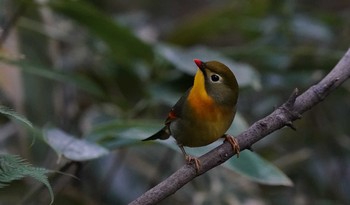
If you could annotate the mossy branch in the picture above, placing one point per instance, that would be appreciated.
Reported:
(290, 111)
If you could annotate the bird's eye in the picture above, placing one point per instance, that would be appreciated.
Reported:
(215, 78)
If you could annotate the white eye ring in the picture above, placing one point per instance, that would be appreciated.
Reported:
(215, 78)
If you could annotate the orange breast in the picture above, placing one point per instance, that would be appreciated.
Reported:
(204, 107)
(201, 103)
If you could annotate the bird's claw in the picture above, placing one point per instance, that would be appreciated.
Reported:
(233, 142)
(195, 160)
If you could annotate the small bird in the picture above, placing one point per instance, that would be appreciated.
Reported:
(205, 112)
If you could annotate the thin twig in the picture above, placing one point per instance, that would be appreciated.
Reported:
(282, 116)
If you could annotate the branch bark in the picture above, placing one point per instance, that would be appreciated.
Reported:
(290, 111)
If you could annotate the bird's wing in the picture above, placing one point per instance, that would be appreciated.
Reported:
(176, 110)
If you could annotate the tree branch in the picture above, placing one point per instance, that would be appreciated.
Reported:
(282, 116)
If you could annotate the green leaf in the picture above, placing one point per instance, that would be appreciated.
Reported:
(12, 167)
(115, 134)
(9, 112)
(72, 148)
(257, 169)
(124, 45)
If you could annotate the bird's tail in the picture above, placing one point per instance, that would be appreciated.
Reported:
(161, 134)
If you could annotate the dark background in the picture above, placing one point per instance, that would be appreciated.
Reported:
(108, 71)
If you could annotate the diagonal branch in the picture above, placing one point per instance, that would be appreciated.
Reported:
(282, 116)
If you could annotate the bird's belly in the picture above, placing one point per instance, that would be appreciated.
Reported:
(199, 133)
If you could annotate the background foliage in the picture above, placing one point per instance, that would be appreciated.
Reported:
(95, 77)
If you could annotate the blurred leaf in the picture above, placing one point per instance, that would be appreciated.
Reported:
(116, 134)
(257, 169)
(239, 124)
(12, 167)
(164, 94)
(9, 112)
(73, 148)
(124, 45)
(82, 82)
(183, 60)
(307, 28)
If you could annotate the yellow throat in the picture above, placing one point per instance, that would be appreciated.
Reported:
(199, 99)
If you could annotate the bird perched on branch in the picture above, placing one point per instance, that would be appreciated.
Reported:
(205, 112)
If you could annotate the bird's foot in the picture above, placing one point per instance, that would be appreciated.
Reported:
(233, 142)
(190, 159)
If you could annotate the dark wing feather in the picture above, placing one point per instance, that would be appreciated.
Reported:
(175, 112)
(177, 109)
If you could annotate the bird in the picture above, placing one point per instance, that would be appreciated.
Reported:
(205, 112)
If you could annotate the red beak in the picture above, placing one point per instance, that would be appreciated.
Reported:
(199, 63)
